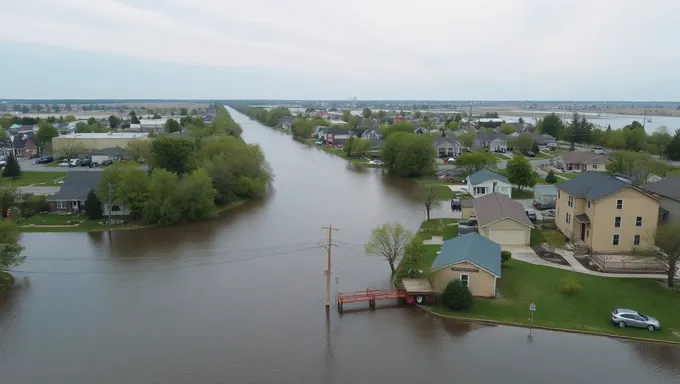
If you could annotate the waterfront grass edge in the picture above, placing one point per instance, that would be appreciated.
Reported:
(6, 281)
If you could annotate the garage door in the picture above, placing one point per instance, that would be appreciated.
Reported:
(507, 236)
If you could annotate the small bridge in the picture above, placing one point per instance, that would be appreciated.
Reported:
(369, 295)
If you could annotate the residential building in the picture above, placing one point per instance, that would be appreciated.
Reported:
(152, 125)
(100, 155)
(337, 136)
(472, 259)
(25, 145)
(73, 193)
(486, 181)
(581, 161)
(501, 219)
(668, 191)
(88, 141)
(316, 129)
(286, 122)
(321, 134)
(372, 134)
(208, 118)
(492, 141)
(447, 146)
(543, 139)
(605, 213)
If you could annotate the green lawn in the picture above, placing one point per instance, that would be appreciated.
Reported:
(538, 236)
(51, 222)
(568, 175)
(430, 180)
(587, 310)
(522, 194)
(43, 179)
(543, 155)
(501, 157)
(6, 281)
(429, 228)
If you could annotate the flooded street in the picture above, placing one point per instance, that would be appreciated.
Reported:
(239, 299)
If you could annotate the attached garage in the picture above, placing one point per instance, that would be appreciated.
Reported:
(502, 220)
(508, 236)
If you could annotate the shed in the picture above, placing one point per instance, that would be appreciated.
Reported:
(545, 196)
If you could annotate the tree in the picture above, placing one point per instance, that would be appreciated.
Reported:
(408, 154)
(366, 113)
(8, 198)
(173, 154)
(473, 162)
(162, 207)
(637, 165)
(467, 139)
(457, 296)
(552, 125)
(521, 120)
(389, 241)
(635, 136)
(183, 112)
(302, 128)
(172, 125)
(416, 114)
(521, 143)
(82, 127)
(133, 117)
(348, 146)
(46, 132)
(505, 256)
(553, 240)
(346, 115)
(452, 125)
(114, 121)
(520, 172)
(508, 128)
(197, 196)
(661, 138)
(534, 148)
(10, 250)
(91, 121)
(93, 206)
(431, 200)
(70, 148)
(550, 178)
(667, 240)
(360, 146)
(12, 168)
(399, 126)
(673, 148)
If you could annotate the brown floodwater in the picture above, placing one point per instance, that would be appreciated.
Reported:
(240, 299)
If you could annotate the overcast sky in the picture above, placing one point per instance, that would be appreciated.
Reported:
(322, 49)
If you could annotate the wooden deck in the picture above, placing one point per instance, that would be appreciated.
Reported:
(369, 295)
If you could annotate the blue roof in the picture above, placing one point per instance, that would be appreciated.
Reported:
(471, 247)
(546, 190)
(486, 175)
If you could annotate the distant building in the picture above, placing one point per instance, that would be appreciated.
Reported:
(90, 141)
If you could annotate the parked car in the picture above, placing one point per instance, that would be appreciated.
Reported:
(455, 204)
(598, 148)
(74, 162)
(44, 160)
(376, 162)
(532, 216)
(85, 162)
(552, 145)
(450, 160)
(631, 318)
(64, 163)
(468, 223)
(530, 154)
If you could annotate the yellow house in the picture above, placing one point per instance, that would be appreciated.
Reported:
(606, 214)
(83, 142)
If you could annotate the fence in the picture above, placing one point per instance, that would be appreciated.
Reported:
(626, 263)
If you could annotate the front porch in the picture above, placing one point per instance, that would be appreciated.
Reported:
(581, 233)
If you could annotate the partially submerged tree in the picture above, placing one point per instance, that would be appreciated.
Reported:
(10, 250)
(431, 200)
(389, 242)
(667, 240)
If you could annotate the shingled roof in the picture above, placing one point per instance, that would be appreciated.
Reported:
(471, 247)
(77, 185)
(495, 206)
(486, 175)
(592, 185)
(669, 188)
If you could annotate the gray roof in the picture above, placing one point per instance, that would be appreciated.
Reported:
(377, 143)
(439, 140)
(113, 151)
(546, 190)
(21, 139)
(486, 175)
(583, 157)
(592, 185)
(77, 185)
(495, 206)
(338, 131)
(490, 136)
(471, 247)
(669, 188)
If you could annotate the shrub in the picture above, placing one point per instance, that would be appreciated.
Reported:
(570, 286)
(457, 296)
(505, 256)
(551, 178)
(93, 206)
(33, 204)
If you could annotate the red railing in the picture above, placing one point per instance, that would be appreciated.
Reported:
(370, 295)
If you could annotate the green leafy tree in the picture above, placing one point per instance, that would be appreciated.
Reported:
(505, 256)
(667, 240)
(638, 165)
(660, 139)
(172, 125)
(431, 200)
(69, 118)
(416, 114)
(114, 121)
(551, 125)
(452, 125)
(12, 168)
(10, 250)
(508, 128)
(673, 147)
(162, 207)
(8, 197)
(91, 121)
(93, 206)
(520, 120)
(302, 128)
(46, 132)
(408, 154)
(133, 189)
(361, 146)
(348, 146)
(635, 136)
(457, 296)
(389, 242)
(82, 127)
(550, 178)
(197, 196)
(467, 139)
(534, 148)
(174, 154)
(366, 113)
(520, 172)
(521, 143)
(346, 116)
(183, 112)
(133, 117)
(399, 126)
(472, 162)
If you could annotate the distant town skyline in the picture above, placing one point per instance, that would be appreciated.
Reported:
(374, 50)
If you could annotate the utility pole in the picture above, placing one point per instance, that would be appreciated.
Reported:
(328, 273)
(109, 208)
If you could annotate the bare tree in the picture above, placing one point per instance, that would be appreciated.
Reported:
(667, 240)
(431, 200)
(70, 148)
(553, 239)
(389, 241)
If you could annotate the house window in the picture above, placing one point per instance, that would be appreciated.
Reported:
(480, 190)
(617, 222)
(115, 208)
(619, 204)
(558, 194)
(588, 203)
(638, 221)
(615, 240)
(571, 201)
(594, 166)
(465, 279)
(636, 240)
(587, 233)
(61, 204)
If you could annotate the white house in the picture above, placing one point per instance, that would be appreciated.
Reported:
(496, 142)
(447, 146)
(485, 182)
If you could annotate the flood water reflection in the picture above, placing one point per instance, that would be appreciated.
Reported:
(239, 299)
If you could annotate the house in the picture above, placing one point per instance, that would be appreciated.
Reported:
(25, 145)
(447, 146)
(88, 141)
(100, 155)
(484, 182)
(470, 258)
(73, 193)
(337, 136)
(605, 213)
(581, 161)
(501, 219)
(372, 134)
(543, 139)
(316, 129)
(321, 134)
(286, 122)
(377, 144)
(152, 125)
(208, 118)
(492, 141)
(465, 128)
(421, 130)
(322, 115)
(668, 191)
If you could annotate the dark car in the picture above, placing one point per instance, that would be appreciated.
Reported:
(85, 162)
(532, 216)
(44, 160)
(530, 154)
(455, 204)
(107, 162)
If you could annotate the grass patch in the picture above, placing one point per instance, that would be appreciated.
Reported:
(542, 155)
(500, 156)
(538, 237)
(586, 310)
(430, 180)
(523, 194)
(6, 281)
(51, 222)
(44, 179)
(569, 175)
(447, 228)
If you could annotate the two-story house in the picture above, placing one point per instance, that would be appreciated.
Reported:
(337, 136)
(486, 182)
(496, 142)
(447, 146)
(606, 214)
(668, 191)
(25, 145)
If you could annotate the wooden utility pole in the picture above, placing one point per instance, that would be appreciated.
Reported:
(109, 208)
(328, 273)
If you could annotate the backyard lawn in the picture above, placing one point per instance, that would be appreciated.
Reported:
(587, 309)
(568, 175)
(68, 223)
(523, 194)
(538, 236)
(543, 155)
(44, 179)
(447, 228)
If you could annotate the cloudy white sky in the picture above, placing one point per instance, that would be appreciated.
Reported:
(335, 49)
